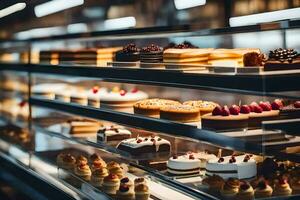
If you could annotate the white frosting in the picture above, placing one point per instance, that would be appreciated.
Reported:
(48, 87)
(239, 169)
(133, 142)
(129, 96)
(111, 131)
(96, 96)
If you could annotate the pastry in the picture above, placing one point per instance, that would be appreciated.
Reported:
(140, 180)
(255, 59)
(111, 184)
(122, 100)
(59, 159)
(240, 167)
(214, 182)
(263, 190)
(141, 191)
(83, 171)
(282, 59)
(261, 112)
(141, 145)
(80, 126)
(282, 187)
(246, 191)
(151, 107)
(180, 113)
(190, 163)
(94, 157)
(151, 54)
(124, 193)
(94, 95)
(128, 182)
(230, 188)
(79, 96)
(98, 163)
(112, 164)
(98, 175)
(223, 118)
(204, 106)
(81, 160)
(111, 133)
(69, 162)
(117, 170)
(129, 53)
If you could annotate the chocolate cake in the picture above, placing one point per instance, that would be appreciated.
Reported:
(253, 59)
(151, 54)
(112, 133)
(283, 59)
(129, 53)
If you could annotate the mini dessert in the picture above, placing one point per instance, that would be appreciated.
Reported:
(261, 112)
(117, 170)
(112, 164)
(223, 118)
(263, 190)
(59, 159)
(69, 162)
(246, 191)
(230, 188)
(98, 175)
(151, 107)
(79, 96)
(111, 184)
(124, 193)
(141, 192)
(142, 145)
(240, 167)
(122, 100)
(83, 171)
(111, 133)
(80, 126)
(127, 181)
(98, 163)
(254, 59)
(151, 54)
(129, 53)
(282, 59)
(282, 187)
(140, 180)
(204, 106)
(81, 160)
(214, 182)
(180, 113)
(188, 164)
(94, 157)
(94, 95)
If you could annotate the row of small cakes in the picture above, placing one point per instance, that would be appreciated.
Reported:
(109, 177)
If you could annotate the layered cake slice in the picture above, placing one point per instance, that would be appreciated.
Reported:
(80, 126)
(241, 167)
(111, 133)
(141, 145)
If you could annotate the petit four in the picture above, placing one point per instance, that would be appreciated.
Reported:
(81, 160)
(246, 191)
(140, 180)
(111, 133)
(205, 107)
(263, 190)
(141, 192)
(117, 170)
(142, 145)
(240, 167)
(190, 163)
(98, 175)
(283, 59)
(110, 184)
(180, 113)
(151, 54)
(282, 187)
(97, 163)
(231, 188)
(151, 107)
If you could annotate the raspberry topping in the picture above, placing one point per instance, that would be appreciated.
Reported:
(225, 111)
(139, 141)
(234, 110)
(277, 104)
(95, 89)
(266, 106)
(297, 104)
(122, 92)
(134, 90)
(232, 159)
(22, 103)
(257, 109)
(245, 109)
(217, 110)
(130, 48)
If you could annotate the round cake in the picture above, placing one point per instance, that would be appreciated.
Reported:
(129, 53)
(204, 106)
(48, 90)
(180, 113)
(151, 107)
(94, 95)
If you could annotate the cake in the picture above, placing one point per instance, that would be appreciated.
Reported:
(282, 187)
(129, 54)
(214, 182)
(80, 126)
(151, 107)
(94, 95)
(246, 191)
(48, 90)
(111, 133)
(79, 96)
(141, 191)
(205, 107)
(180, 113)
(263, 190)
(231, 188)
(117, 170)
(121, 100)
(282, 59)
(224, 118)
(151, 54)
(124, 193)
(254, 59)
(188, 164)
(111, 184)
(141, 145)
(97, 176)
(241, 167)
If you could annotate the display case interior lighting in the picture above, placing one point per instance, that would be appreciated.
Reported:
(119, 23)
(12, 9)
(77, 28)
(54, 6)
(278, 15)
(184, 4)
(40, 32)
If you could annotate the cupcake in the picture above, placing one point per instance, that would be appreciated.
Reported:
(81, 160)
(97, 163)
(94, 157)
(126, 181)
(112, 164)
(246, 191)
(140, 180)
(83, 171)
(125, 193)
(117, 171)
(141, 191)
(282, 187)
(98, 175)
(214, 182)
(230, 188)
(59, 159)
(111, 184)
(68, 162)
(263, 190)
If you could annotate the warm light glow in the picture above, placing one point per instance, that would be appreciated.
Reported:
(55, 6)
(77, 28)
(184, 4)
(292, 13)
(40, 32)
(119, 23)
(12, 9)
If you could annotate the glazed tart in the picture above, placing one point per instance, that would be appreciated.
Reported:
(180, 113)
(205, 107)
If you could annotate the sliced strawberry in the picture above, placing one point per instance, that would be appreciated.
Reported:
(217, 110)
(234, 110)
(265, 106)
(225, 111)
(245, 109)
(252, 105)
(257, 109)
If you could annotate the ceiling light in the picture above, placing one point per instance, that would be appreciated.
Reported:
(119, 23)
(55, 6)
(12, 9)
(77, 28)
(292, 13)
(184, 4)
(40, 32)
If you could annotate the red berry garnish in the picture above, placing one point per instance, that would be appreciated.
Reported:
(225, 111)
(245, 109)
(221, 160)
(152, 140)
(266, 106)
(175, 156)
(234, 110)
(139, 141)
(247, 158)
(282, 181)
(277, 104)
(232, 159)
(134, 90)
(125, 180)
(124, 188)
(22, 103)
(95, 89)
(112, 176)
(297, 104)
(217, 110)
(257, 109)
(191, 157)
(122, 92)
(252, 105)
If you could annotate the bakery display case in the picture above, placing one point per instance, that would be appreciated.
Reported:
(157, 113)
